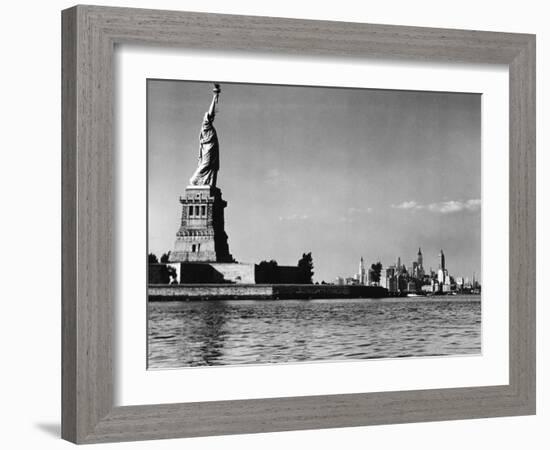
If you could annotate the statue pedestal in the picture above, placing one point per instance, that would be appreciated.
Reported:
(201, 236)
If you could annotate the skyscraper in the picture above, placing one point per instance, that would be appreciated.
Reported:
(361, 273)
(441, 260)
(419, 269)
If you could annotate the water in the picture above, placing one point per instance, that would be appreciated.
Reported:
(183, 334)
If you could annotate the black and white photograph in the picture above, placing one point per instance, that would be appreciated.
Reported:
(275, 225)
(294, 224)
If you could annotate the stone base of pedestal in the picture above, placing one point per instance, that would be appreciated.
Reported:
(234, 273)
(201, 236)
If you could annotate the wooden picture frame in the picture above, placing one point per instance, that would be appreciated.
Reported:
(89, 37)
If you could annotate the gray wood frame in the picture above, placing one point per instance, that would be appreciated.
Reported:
(89, 36)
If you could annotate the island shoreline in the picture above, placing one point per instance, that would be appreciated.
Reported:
(207, 292)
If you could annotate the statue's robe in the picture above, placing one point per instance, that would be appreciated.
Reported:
(209, 155)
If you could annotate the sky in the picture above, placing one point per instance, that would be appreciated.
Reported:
(341, 173)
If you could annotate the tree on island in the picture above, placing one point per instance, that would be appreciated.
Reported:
(376, 271)
(267, 272)
(152, 259)
(165, 258)
(305, 264)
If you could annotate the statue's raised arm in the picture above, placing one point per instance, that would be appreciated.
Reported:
(215, 98)
(209, 149)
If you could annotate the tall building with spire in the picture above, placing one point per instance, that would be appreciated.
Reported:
(361, 274)
(418, 265)
(443, 277)
(441, 260)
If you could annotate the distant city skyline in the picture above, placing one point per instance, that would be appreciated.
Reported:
(414, 278)
(428, 267)
(341, 173)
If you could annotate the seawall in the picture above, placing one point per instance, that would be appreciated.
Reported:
(202, 292)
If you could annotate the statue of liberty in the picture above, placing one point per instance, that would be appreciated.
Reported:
(209, 147)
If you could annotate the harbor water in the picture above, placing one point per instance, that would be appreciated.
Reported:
(185, 334)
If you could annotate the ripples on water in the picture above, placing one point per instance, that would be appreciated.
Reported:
(183, 334)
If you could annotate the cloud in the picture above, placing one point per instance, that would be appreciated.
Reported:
(293, 218)
(352, 211)
(274, 177)
(407, 205)
(455, 206)
(353, 214)
(346, 216)
(446, 207)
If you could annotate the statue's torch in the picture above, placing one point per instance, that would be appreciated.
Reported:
(216, 91)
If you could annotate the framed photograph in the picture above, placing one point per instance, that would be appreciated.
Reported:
(256, 209)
